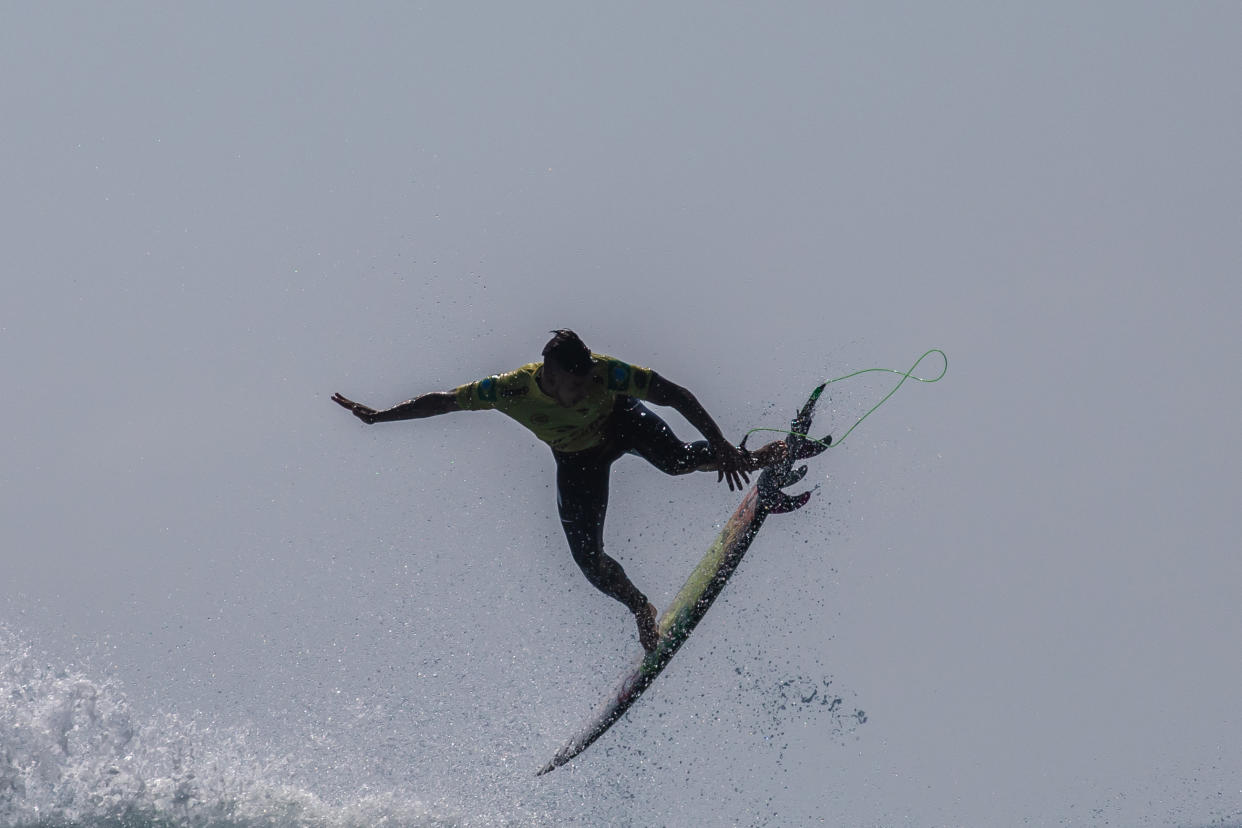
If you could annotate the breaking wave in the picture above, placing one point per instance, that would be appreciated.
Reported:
(72, 753)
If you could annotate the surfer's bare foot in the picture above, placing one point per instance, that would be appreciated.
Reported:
(648, 632)
(768, 455)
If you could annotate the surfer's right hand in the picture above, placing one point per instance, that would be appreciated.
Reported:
(363, 412)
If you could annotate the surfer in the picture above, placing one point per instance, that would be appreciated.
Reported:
(588, 408)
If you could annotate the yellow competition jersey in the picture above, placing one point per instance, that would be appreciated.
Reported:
(564, 429)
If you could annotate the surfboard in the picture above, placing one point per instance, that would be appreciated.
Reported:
(706, 581)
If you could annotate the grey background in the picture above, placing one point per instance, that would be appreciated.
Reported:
(1027, 574)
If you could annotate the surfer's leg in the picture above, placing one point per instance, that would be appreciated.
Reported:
(637, 429)
(582, 500)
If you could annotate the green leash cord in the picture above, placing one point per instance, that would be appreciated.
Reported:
(905, 375)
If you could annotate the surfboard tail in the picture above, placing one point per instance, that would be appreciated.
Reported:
(783, 474)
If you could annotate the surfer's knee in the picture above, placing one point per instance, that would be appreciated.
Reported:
(586, 544)
(586, 554)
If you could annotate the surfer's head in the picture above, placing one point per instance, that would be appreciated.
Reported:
(566, 375)
(568, 352)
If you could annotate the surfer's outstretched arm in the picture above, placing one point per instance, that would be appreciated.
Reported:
(731, 464)
(426, 405)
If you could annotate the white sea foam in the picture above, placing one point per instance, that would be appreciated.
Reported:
(73, 753)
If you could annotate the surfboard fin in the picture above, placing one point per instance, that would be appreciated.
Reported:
(788, 503)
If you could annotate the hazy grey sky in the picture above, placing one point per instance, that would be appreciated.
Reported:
(1027, 575)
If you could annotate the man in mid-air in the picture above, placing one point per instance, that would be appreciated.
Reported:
(587, 407)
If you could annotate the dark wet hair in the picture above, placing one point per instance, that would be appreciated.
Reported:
(568, 351)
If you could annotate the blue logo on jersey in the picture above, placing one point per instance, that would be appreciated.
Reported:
(618, 376)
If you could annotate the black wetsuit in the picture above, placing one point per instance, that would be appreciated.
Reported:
(582, 488)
